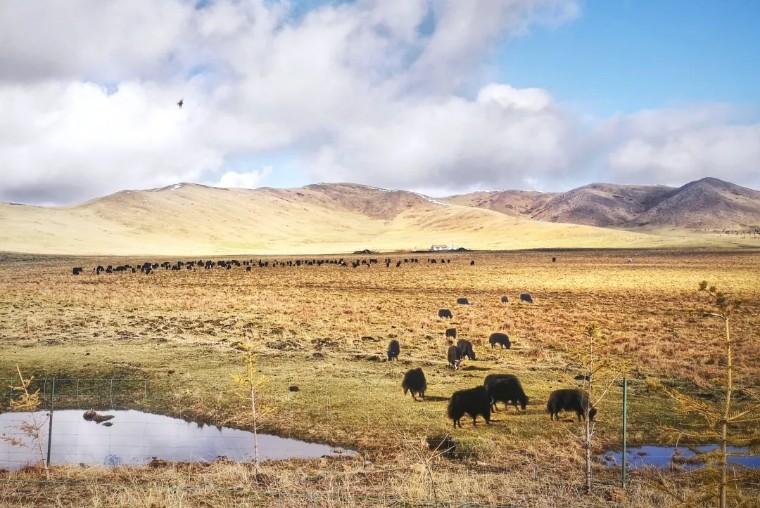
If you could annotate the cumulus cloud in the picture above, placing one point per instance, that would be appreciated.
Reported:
(245, 179)
(373, 91)
(526, 99)
(75, 140)
(671, 146)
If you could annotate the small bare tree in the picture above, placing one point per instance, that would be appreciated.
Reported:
(29, 401)
(720, 417)
(248, 382)
(609, 373)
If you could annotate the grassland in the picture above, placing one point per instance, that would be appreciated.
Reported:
(325, 330)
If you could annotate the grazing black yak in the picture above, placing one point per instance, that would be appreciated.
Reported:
(505, 299)
(499, 338)
(393, 350)
(570, 399)
(473, 402)
(463, 301)
(76, 270)
(444, 314)
(453, 357)
(505, 388)
(525, 297)
(465, 349)
(415, 382)
(451, 332)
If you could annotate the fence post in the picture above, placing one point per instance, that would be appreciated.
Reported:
(624, 471)
(50, 423)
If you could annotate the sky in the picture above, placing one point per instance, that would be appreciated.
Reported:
(436, 96)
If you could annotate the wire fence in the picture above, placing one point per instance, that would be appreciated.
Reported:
(97, 421)
(95, 392)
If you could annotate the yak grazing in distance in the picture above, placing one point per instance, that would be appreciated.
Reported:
(415, 382)
(570, 399)
(505, 388)
(444, 314)
(451, 332)
(474, 402)
(465, 349)
(453, 357)
(499, 338)
(393, 350)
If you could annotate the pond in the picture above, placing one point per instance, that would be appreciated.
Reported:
(134, 437)
(658, 456)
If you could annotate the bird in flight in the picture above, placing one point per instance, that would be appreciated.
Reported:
(180, 103)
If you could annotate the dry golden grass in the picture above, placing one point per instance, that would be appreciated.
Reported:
(325, 329)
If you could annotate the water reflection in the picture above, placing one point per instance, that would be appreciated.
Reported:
(136, 437)
(688, 458)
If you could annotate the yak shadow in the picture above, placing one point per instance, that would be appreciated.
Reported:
(473, 367)
(434, 398)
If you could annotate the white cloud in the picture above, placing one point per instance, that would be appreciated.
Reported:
(374, 91)
(74, 140)
(244, 179)
(451, 142)
(526, 99)
(104, 40)
(728, 151)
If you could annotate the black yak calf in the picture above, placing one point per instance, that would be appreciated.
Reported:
(453, 357)
(525, 297)
(393, 350)
(444, 314)
(473, 402)
(505, 388)
(570, 399)
(451, 332)
(499, 338)
(465, 349)
(463, 301)
(505, 299)
(415, 382)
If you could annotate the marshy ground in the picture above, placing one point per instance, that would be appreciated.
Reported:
(325, 329)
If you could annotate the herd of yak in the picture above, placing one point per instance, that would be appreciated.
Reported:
(149, 267)
(478, 401)
(506, 388)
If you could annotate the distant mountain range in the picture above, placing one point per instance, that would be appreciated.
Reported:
(706, 204)
(189, 219)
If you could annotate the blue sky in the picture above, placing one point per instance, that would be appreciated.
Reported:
(626, 55)
(435, 96)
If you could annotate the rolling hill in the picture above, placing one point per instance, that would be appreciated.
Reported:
(189, 219)
(708, 204)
